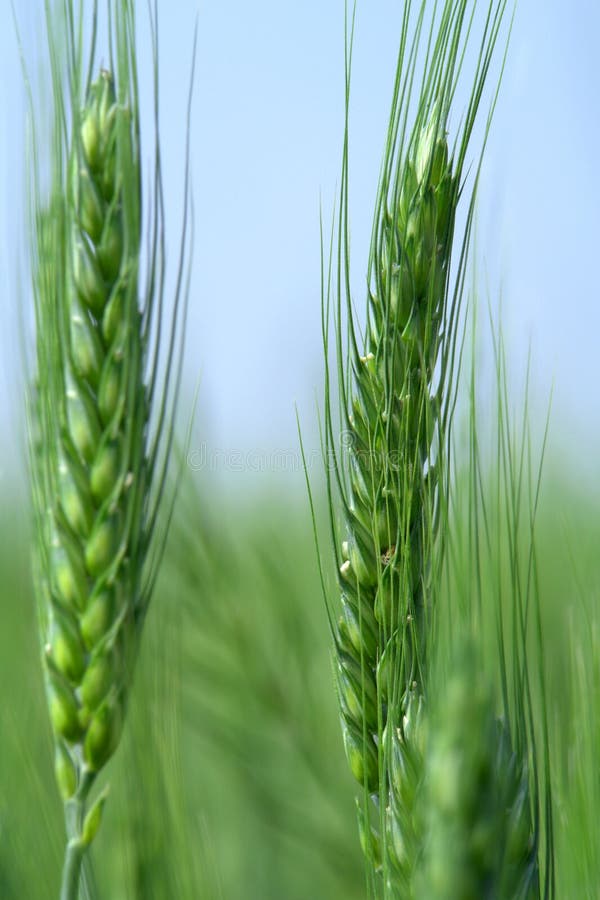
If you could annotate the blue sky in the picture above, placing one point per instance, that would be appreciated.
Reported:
(266, 132)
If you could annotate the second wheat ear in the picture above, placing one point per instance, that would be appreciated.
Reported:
(396, 377)
(101, 417)
(382, 635)
(394, 415)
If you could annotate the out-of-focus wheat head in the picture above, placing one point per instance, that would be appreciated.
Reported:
(476, 798)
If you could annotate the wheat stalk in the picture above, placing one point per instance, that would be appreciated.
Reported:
(98, 465)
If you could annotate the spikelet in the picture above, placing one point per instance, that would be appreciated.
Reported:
(405, 824)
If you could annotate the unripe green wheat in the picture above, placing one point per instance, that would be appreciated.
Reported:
(404, 823)
(394, 414)
(90, 456)
(396, 385)
(96, 470)
(94, 542)
(477, 801)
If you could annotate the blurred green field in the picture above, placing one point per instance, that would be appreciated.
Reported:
(231, 781)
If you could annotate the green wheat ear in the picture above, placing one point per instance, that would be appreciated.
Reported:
(480, 837)
(396, 377)
(94, 535)
(101, 423)
(394, 412)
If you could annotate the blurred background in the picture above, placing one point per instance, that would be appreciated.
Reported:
(266, 149)
(242, 791)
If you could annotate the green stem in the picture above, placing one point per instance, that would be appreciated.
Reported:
(75, 850)
(72, 870)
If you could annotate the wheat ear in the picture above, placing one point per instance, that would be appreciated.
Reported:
(480, 837)
(396, 388)
(99, 469)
